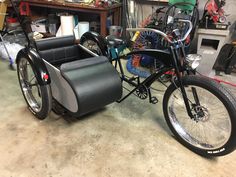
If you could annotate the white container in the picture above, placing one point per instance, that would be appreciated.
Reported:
(83, 28)
(67, 25)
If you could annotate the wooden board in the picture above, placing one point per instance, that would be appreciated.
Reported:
(3, 10)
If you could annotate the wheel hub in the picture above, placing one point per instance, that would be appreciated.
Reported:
(200, 113)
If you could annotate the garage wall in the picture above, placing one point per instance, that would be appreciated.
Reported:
(230, 8)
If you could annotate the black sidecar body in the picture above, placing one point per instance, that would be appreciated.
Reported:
(79, 80)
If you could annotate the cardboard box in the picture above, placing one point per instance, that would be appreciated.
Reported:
(3, 10)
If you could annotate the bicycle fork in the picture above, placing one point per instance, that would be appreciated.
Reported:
(179, 75)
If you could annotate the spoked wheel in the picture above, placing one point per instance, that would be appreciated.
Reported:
(212, 131)
(38, 97)
(93, 46)
(95, 43)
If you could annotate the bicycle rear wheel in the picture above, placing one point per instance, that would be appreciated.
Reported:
(212, 131)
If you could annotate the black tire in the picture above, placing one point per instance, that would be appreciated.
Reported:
(209, 134)
(39, 103)
(57, 108)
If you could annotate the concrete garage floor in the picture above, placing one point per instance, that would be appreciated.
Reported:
(124, 140)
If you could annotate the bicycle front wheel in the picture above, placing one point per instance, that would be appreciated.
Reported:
(212, 130)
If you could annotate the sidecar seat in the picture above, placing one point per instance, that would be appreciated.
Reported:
(93, 81)
(57, 50)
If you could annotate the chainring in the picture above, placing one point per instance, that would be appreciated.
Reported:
(142, 92)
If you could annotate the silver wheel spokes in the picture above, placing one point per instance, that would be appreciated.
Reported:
(29, 85)
(91, 45)
(211, 127)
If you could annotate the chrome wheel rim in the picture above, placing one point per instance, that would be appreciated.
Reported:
(29, 85)
(210, 129)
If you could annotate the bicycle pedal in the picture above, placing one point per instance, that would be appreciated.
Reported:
(154, 100)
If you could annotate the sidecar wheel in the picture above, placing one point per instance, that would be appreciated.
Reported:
(93, 46)
(57, 108)
(38, 97)
(94, 42)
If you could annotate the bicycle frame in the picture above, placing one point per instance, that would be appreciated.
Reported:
(174, 59)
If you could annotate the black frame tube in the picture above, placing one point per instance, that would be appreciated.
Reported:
(147, 82)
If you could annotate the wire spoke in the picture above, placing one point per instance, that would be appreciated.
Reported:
(203, 130)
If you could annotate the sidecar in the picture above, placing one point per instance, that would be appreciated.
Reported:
(58, 74)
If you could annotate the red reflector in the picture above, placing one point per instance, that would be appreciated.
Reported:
(45, 76)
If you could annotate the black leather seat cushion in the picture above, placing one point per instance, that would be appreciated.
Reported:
(58, 50)
(95, 82)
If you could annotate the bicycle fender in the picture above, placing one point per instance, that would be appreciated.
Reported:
(95, 37)
(38, 65)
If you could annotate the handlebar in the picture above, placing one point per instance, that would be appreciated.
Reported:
(164, 34)
(189, 29)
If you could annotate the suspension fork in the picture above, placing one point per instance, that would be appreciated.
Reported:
(179, 76)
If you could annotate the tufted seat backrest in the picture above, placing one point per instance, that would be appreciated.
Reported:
(58, 50)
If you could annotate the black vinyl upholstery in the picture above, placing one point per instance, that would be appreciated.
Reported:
(95, 82)
(58, 50)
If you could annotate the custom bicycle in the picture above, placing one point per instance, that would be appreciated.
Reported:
(198, 110)
(58, 74)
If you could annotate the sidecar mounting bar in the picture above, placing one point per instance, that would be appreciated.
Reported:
(147, 82)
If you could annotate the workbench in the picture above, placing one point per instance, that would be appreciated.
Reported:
(103, 12)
